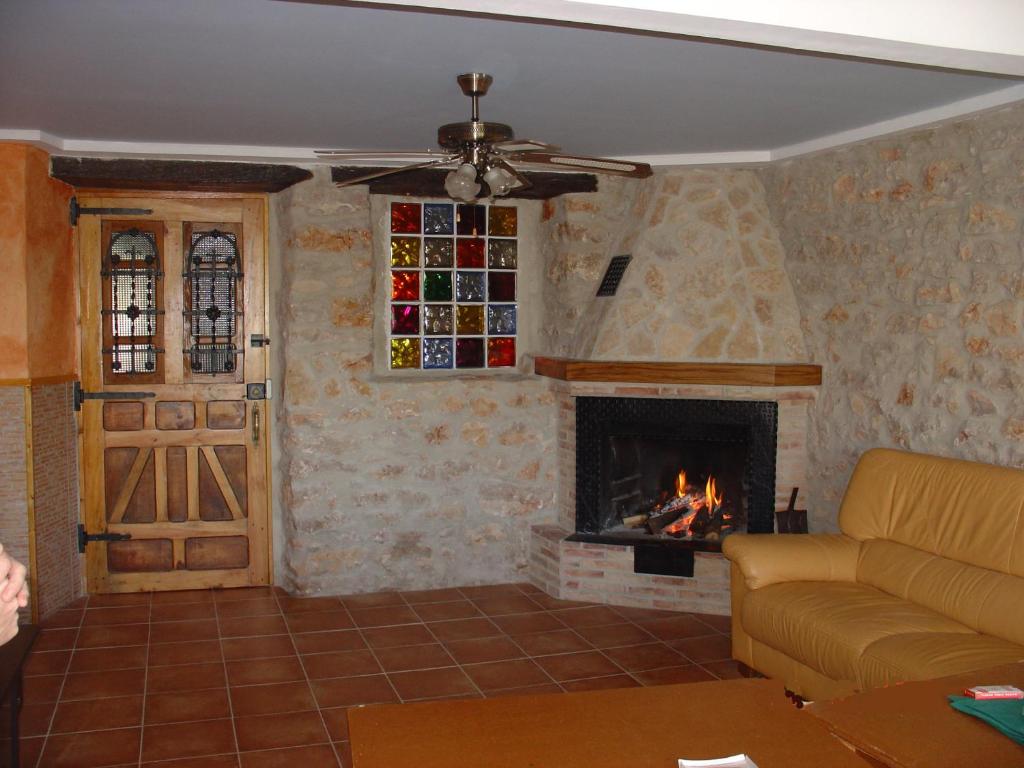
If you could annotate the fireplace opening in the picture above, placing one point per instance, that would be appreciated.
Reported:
(682, 473)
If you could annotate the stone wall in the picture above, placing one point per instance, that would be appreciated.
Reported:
(390, 481)
(906, 257)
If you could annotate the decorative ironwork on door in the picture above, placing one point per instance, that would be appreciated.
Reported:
(213, 272)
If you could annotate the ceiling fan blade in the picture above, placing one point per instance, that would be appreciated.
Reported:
(583, 163)
(522, 181)
(378, 173)
(526, 145)
(367, 154)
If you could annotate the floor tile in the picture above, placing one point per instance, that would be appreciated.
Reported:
(587, 617)
(121, 634)
(319, 756)
(129, 614)
(670, 675)
(96, 685)
(93, 715)
(100, 659)
(184, 631)
(419, 596)
(324, 642)
(182, 611)
(526, 690)
(600, 683)
(676, 628)
(120, 599)
(183, 596)
(319, 621)
(249, 626)
(36, 690)
(182, 706)
(706, 648)
(60, 619)
(92, 749)
(642, 614)
(34, 719)
(721, 624)
(386, 616)
(553, 603)
(724, 670)
(525, 623)
(637, 658)
(462, 629)
(291, 729)
(260, 647)
(374, 600)
(272, 699)
(612, 635)
(54, 640)
(196, 652)
(185, 677)
(351, 691)
(210, 761)
(47, 663)
(506, 674)
(231, 594)
(261, 606)
(481, 649)
(174, 740)
(546, 643)
(407, 657)
(491, 590)
(336, 722)
(574, 666)
(456, 609)
(392, 637)
(340, 664)
(29, 751)
(428, 683)
(505, 604)
(281, 669)
(308, 604)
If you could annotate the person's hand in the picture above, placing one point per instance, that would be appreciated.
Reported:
(8, 620)
(12, 580)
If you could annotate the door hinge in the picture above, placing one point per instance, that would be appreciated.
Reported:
(81, 395)
(75, 210)
(84, 538)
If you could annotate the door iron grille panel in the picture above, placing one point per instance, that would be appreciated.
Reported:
(214, 269)
(132, 265)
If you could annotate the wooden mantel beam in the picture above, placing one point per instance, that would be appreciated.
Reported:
(725, 374)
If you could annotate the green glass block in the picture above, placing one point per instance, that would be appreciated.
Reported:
(405, 251)
(405, 353)
(437, 320)
(437, 252)
(437, 286)
(502, 221)
(502, 254)
(469, 320)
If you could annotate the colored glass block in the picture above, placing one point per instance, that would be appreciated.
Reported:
(438, 219)
(405, 353)
(501, 319)
(405, 251)
(405, 319)
(501, 254)
(437, 252)
(437, 320)
(437, 286)
(469, 286)
(501, 286)
(405, 218)
(471, 220)
(501, 353)
(502, 221)
(469, 253)
(437, 353)
(405, 286)
(469, 320)
(469, 353)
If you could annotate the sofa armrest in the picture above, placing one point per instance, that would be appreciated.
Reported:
(767, 559)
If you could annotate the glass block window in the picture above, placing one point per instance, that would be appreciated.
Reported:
(452, 297)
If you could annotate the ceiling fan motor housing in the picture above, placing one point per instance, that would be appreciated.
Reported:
(459, 135)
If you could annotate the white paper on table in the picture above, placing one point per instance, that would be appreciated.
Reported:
(733, 761)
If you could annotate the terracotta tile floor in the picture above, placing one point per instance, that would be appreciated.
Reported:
(253, 678)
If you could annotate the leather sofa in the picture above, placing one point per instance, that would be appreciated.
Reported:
(925, 580)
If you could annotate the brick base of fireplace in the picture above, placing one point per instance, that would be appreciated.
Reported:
(603, 573)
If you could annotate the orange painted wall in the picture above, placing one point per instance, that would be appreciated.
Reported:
(38, 317)
(13, 278)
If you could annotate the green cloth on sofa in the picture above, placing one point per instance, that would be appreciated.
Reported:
(1005, 714)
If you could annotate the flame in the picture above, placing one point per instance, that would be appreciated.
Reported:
(681, 524)
(711, 496)
(681, 484)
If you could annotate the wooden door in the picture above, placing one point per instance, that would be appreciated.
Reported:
(178, 458)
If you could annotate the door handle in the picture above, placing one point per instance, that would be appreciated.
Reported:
(255, 424)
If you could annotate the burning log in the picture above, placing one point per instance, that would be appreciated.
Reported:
(635, 521)
(659, 520)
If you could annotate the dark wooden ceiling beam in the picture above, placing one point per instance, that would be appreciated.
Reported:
(429, 182)
(176, 175)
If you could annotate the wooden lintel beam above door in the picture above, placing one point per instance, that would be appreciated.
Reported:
(429, 182)
(175, 175)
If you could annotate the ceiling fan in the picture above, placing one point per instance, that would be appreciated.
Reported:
(486, 156)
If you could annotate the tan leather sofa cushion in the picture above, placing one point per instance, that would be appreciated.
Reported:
(765, 560)
(829, 625)
(965, 511)
(986, 601)
(923, 656)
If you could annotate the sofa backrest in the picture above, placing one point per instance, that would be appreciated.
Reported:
(943, 533)
(961, 510)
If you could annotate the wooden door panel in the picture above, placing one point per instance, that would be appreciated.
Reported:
(184, 474)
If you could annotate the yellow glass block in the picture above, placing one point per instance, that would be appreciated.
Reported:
(405, 251)
(469, 319)
(502, 221)
(405, 353)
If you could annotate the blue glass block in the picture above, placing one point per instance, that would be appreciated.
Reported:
(438, 218)
(470, 286)
(501, 319)
(437, 353)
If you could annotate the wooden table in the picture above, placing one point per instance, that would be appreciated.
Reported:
(622, 728)
(911, 725)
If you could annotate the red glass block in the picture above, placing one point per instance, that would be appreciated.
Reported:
(405, 218)
(501, 286)
(405, 319)
(501, 352)
(405, 286)
(469, 353)
(469, 253)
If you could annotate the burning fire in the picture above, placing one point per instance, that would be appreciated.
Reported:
(711, 498)
(681, 484)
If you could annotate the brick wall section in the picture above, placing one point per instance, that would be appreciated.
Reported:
(13, 480)
(603, 573)
(55, 480)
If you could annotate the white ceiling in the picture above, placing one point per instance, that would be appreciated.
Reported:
(281, 77)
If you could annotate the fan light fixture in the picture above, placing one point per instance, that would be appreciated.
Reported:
(461, 184)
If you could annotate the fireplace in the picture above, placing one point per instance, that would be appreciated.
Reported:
(672, 472)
